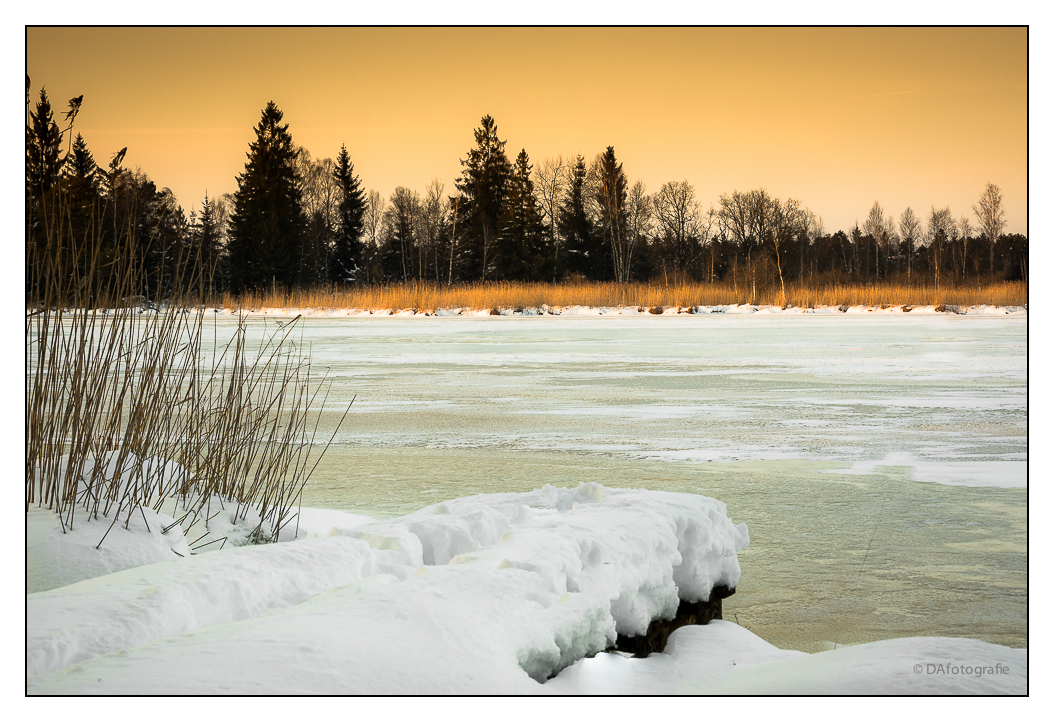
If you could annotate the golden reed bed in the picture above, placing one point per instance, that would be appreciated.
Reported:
(425, 296)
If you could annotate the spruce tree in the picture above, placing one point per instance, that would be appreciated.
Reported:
(80, 163)
(610, 197)
(268, 220)
(81, 186)
(43, 137)
(521, 252)
(48, 252)
(575, 228)
(347, 246)
(482, 186)
(209, 246)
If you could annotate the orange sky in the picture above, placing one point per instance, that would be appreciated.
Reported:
(837, 118)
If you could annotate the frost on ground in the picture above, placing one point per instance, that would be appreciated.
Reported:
(486, 594)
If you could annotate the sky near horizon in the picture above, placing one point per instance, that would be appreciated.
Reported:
(836, 117)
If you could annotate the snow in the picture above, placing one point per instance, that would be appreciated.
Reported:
(55, 559)
(485, 593)
(723, 658)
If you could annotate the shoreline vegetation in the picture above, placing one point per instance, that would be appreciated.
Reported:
(427, 296)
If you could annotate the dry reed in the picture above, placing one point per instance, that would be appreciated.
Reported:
(426, 296)
(116, 390)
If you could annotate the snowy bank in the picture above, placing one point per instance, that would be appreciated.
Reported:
(492, 593)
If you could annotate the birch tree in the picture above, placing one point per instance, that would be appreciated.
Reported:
(991, 219)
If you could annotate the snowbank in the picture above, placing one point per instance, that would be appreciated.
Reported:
(723, 658)
(56, 559)
(491, 593)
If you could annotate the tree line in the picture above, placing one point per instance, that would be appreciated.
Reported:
(296, 220)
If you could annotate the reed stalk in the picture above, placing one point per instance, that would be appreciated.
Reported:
(125, 409)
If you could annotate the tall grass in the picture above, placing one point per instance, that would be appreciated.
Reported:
(426, 296)
(124, 409)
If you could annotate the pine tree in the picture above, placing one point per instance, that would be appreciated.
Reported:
(347, 246)
(575, 228)
(268, 221)
(521, 252)
(482, 186)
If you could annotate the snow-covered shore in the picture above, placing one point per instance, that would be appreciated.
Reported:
(485, 594)
(732, 309)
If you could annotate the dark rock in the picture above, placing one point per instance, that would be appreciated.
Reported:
(659, 631)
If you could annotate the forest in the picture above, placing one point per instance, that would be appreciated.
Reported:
(300, 222)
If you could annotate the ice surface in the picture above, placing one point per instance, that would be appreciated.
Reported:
(706, 387)
(1005, 474)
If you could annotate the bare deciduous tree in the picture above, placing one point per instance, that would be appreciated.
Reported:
(940, 228)
(911, 232)
(789, 221)
(677, 217)
(550, 185)
(964, 229)
(991, 219)
(814, 229)
(639, 213)
(890, 242)
(873, 225)
(400, 228)
(430, 229)
(372, 223)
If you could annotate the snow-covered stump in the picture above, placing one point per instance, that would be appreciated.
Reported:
(482, 594)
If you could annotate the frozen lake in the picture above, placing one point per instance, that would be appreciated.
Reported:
(879, 461)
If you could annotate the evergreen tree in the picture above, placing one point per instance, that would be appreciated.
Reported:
(43, 137)
(81, 186)
(347, 246)
(482, 186)
(575, 228)
(268, 221)
(80, 163)
(610, 257)
(522, 253)
(209, 246)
